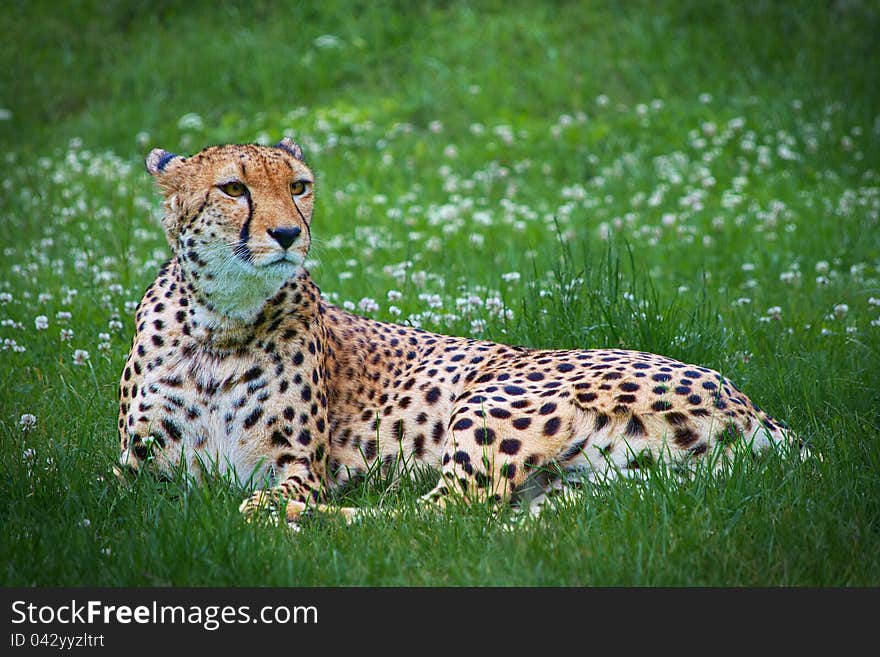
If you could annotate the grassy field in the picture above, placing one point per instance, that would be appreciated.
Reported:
(698, 179)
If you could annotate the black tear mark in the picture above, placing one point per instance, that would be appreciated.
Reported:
(241, 249)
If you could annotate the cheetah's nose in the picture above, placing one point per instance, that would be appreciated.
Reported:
(284, 236)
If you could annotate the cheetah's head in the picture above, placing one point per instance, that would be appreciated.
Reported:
(237, 217)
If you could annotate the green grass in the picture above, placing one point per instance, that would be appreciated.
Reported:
(697, 179)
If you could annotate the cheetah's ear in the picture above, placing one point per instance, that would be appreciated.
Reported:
(291, 147)
(160, 161)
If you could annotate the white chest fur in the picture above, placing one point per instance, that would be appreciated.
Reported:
(212, 414)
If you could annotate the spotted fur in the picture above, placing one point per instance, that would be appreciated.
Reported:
(238, 363)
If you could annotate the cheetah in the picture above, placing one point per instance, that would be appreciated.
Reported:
(239, 363)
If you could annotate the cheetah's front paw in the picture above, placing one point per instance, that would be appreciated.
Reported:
(265, 505)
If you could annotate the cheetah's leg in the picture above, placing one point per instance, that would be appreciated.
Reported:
(532, 449)
(299, 476)
(270, 501)
(491, 452)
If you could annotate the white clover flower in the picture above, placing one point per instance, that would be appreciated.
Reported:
(63, 316)
(468, 303)
(394, 310)
(774, 312)
(41, 322)
(66, 335)
(602, 100)
(494, 304)
(478, 326)
(511, 276)
(705, 98)
(743, 301)
(432, 300)
(483, 218)
(190, 121)
(857, 271)
(504, 132)
(85, 522)
(785, 153)
(27, 421)
(368, 305)
(873, 301)
(80, 356)
(394, 295)
(5, 297)
(840, 310)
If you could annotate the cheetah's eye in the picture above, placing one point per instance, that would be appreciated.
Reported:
(233, 188)
(299, 187)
